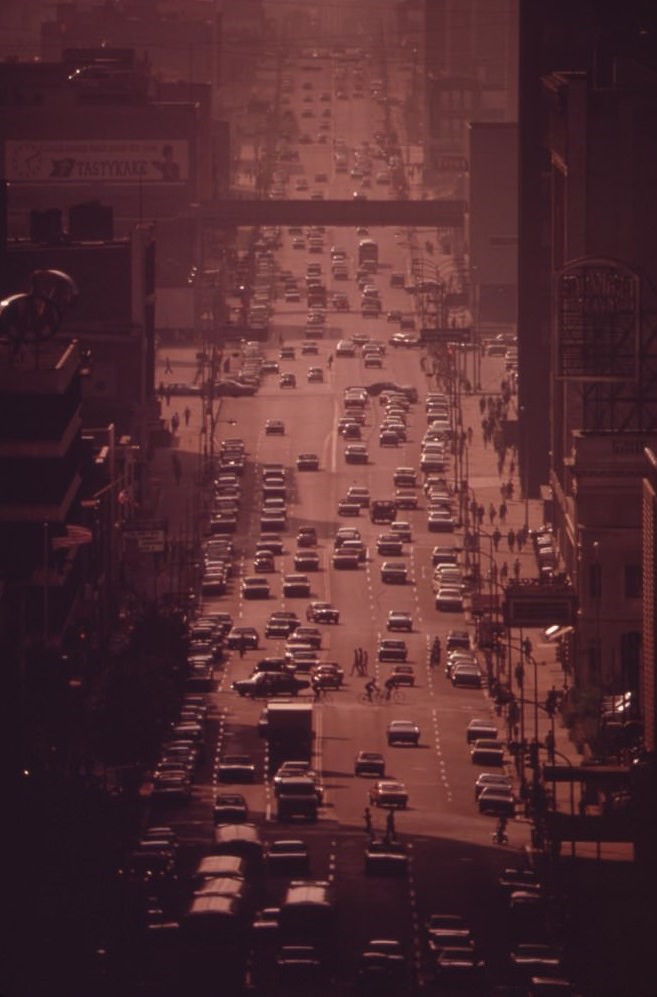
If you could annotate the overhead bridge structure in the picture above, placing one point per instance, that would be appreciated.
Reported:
(352, 213)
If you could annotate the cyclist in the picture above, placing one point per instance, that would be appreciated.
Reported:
(390, 685)
(370, 688)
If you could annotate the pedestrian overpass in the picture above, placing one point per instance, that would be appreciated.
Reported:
(352, 213)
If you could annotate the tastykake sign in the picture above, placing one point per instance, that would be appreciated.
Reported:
(129, 161)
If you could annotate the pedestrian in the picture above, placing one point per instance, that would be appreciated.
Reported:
(241, 647)
(187, 413)
(503, 511)
(161, 390)
(364, 659)
(367, 814)
(470, 434)
(482, 404)
(520, 538)
(175, 422)
(504, 571)
(481, 512)
(549, 744)
(167, 394)
(497, 536)
(492, 512)
(355, 669)
(390, 826)
(168, 369)
(329, 362)
(516, 569)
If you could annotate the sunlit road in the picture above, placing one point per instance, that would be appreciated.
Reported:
(453, 866)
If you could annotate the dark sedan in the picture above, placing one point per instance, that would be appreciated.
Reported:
(270, 684)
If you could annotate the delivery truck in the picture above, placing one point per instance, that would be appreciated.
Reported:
(287, 727)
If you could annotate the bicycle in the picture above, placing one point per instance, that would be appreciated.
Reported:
(397, 696)
(377, 697)
(324, 696)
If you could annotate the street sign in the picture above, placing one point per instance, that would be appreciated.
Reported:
(150, 536)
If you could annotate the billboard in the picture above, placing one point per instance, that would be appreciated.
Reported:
(597, 319)
(111, 161)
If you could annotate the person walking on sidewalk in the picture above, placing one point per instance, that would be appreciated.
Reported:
(497, 536)
(364, 660)
(516, 569)
(168, 369)
(511, 539)
(175, 422)
(187, 414)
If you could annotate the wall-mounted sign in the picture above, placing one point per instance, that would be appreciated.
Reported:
(112, 161)
(597, 320)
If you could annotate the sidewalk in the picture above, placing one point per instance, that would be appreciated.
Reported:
(487, 471)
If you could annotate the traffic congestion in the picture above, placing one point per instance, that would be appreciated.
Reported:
(334, 807)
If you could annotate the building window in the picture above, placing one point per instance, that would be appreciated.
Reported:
(633, 581)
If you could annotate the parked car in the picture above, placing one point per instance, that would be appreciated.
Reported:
(478, 729)
(487, 751)
(497, 801)
(467, 675)
(495, 779)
